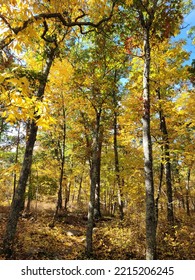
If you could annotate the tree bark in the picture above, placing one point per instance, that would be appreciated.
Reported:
(97, 209)
(159, 193)
(168, 179)
(188, 192)
(148, 159)
(116, 159)
(93, 208)
(61, 148)
(16, 160)
(30, 194)
(26, 167)
(17, 202)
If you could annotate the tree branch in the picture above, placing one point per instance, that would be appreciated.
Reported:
(59, 17)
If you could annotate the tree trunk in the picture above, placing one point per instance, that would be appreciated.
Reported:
(97, 210)
(61, 148)
(16, 160)
(30, 194)
(67, 195)
(148, 160)
(188, 192)
(159, 193)
(79, 190)
(165, 139)
(95, 164)
(91, 208)
(17, 202)
(116, 157)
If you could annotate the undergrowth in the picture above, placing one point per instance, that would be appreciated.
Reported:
(113, 239)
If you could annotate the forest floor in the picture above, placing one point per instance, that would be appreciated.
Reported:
(113, 239)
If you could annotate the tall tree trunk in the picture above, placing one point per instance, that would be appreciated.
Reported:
(91, 208)
(97, 210)
(93, 185)
(188, 192)
(116, 159)
(61, 148)
(18, 199)
(16, 160)
(148, 159)
(159, 193)
(26, 167)
(67, 195)
(79, 190)
(165, 139)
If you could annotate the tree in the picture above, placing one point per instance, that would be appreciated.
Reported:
(26, 166)
(153, 18)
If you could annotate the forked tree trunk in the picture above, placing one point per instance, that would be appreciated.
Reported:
(18, 199)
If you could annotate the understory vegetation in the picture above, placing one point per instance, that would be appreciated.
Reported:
(113, 238)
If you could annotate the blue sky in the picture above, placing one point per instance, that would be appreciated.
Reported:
(189, 21)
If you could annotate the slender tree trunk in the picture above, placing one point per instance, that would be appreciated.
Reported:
(28, 206)
(26, 167)
(61, 148)
(93, 207)
(116, 157)
(148, 159)
(188, 192)
(165, 139)
(79, 190)
(1, 126)
(159, 193)
(97, 210)
(67, 195)
(16, 160)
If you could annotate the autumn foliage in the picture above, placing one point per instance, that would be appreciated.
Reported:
(80, 81)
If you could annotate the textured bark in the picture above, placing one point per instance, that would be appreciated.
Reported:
(148, 160)
(90, 223)
(18, 199)
(67, 195)
(20, 191)
(116, 158)
(30, 194)
(188, 192)
(167, 165)
(94, 176)
(159, 193)
(16, 159)
(97, 210)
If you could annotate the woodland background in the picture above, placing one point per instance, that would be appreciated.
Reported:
(97, 130)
